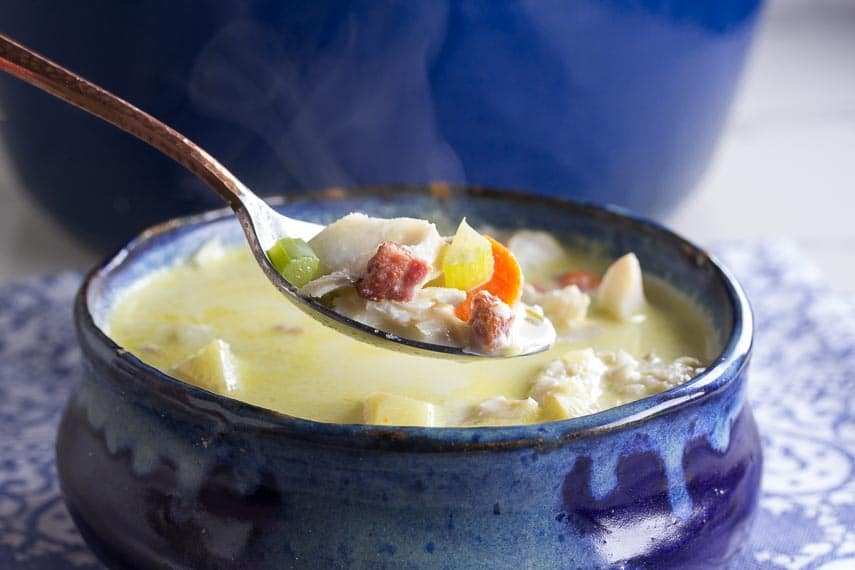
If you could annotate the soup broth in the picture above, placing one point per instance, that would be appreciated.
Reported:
(183, 318)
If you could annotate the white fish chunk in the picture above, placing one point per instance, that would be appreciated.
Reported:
(504, 411)
(348, 244)
(535, 249)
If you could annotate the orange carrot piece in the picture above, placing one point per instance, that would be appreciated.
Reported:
(505, 283)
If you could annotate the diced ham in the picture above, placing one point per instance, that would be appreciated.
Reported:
(393, 274)
(491, 321)
(584, 280)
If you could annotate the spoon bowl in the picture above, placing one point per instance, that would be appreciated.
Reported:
(261, 224)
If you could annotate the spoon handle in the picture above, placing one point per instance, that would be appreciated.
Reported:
(58, 81)
(261, 224)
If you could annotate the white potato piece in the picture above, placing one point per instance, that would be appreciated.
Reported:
(621, 292)
(392, 410)
(214, 368)
(348, 244)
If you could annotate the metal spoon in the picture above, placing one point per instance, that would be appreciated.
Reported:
(261, 223)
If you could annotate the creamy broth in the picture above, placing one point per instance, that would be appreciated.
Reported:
(290, 363)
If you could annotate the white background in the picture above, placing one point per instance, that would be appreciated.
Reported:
(785, 166)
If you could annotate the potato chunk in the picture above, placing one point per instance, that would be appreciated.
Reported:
(621, 292)
(392, 410)
(213, 368)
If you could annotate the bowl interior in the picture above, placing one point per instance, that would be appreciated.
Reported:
(604, 232)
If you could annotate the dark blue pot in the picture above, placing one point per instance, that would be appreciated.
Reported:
(616, 101)
(159, 473)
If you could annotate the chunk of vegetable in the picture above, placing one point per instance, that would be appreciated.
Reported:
(295, 260)
(621, 292)
(389, 409)
(506, 282)
(468, 261)
(214, 368)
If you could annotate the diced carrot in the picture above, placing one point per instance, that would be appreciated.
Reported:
(584, 280)
(505, 283)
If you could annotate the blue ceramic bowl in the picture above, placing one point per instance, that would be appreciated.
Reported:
(617, 101)
(159, 473)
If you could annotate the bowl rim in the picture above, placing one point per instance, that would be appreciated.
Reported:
(721, 372)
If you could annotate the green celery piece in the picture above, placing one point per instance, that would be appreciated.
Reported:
(295, 260)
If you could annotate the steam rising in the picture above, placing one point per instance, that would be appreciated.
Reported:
(358, 110)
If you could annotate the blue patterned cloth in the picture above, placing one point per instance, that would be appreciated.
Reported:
(802, 388)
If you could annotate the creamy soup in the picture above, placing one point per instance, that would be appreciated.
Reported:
(217, 322)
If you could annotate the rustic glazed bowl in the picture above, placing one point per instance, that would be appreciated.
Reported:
(159, 473)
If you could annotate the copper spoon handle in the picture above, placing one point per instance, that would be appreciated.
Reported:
(58, 81)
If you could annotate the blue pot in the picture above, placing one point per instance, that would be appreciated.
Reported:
(159, 473)
(614, 101)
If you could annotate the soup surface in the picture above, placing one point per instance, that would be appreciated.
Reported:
(217, 322)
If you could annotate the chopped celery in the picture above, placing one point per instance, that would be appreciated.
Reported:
(468, 261)
(295, 260)
(532, 314)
